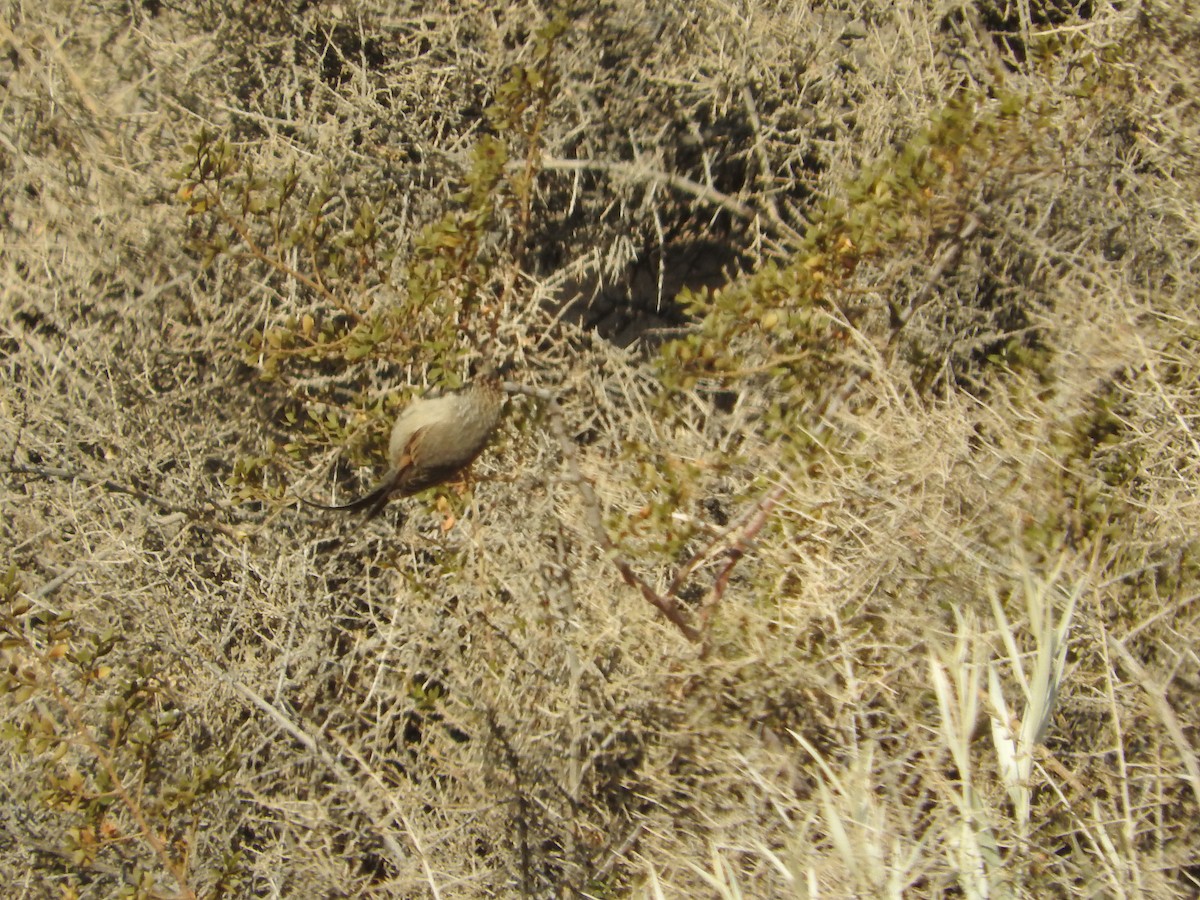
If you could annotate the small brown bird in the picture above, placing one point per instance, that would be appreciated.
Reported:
(434, 439)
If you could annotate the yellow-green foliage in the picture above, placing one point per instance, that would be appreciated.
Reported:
(99, 718)
(788, 320)
(439, 295)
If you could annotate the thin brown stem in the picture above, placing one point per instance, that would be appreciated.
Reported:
(83, 734)
(664, 603)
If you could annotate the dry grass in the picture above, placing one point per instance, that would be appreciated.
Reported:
(941, 520)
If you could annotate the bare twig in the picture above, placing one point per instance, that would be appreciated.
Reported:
(253, 251)
(760, 513)
(108, 485)
(664, 603)
(707, 551)
(192, 513)
(640, 171)
(388, 793)
(346, 779)
(946, 259)
(764, 169)
(1166, 714)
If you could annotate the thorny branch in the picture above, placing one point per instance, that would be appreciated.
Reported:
(665, 602)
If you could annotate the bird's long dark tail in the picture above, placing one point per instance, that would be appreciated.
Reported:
(373, 502)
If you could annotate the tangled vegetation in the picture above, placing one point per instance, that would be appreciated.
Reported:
(839, 539)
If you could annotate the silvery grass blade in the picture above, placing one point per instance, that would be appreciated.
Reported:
(872, 850)
(1015, 738)
(722, 879)
(971, 845)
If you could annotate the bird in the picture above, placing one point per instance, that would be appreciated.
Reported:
(434, 439)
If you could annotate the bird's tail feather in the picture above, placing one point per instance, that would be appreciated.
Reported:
(376, 500)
